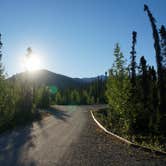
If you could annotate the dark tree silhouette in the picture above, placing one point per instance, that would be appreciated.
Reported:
(163, 44)
(0, 46)
(158, 56)
(133, 62)
(1, 67)
(154, 90)
(163, 52)
(143, 66)
(144, 83)
(29, 52)
(106, 74)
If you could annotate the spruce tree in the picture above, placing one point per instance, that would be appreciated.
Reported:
(163, 45)
(163, 97)
(1, 82)
(158, 56)
(1, 67)
(144, 81)
(118, 91)
(133, 62)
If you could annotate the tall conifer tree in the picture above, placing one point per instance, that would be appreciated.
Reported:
(133, 62)
(158, 55)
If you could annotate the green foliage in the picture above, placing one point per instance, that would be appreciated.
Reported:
(19, 100)
(91, 93)
(134, 108)
(137, 100)
(18, 104)
(44, 100)
(118, 90)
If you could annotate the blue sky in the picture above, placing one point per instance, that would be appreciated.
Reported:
(76, 37)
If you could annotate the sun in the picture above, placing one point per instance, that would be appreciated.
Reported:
(32, 62)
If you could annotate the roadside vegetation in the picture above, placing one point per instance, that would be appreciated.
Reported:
(136, 93)
(19, 100)
(88, 93)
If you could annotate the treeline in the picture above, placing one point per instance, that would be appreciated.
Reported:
(136, 92)
(89, 93)
(19, 100)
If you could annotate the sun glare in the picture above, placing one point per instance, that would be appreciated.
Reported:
(32, 62)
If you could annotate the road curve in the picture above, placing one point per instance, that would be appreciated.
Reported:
(68, 137)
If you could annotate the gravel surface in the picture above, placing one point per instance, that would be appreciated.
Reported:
(69, 137)
(96, 148)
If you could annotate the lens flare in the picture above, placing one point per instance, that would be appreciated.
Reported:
(32, 62)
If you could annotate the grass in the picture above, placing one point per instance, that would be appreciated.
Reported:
(154, 142)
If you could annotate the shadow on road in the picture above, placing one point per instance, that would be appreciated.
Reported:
(13, 145)
(58, 114)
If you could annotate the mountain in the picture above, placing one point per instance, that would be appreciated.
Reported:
(91, 79)
(45, 77)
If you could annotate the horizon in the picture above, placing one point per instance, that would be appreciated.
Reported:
(38, 70)
(76, 38)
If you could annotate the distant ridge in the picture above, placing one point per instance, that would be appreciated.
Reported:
(90, 79)
(45, 77)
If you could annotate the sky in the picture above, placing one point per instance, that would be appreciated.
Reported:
(76, 37)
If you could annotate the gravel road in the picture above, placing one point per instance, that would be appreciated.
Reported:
(69, 137)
